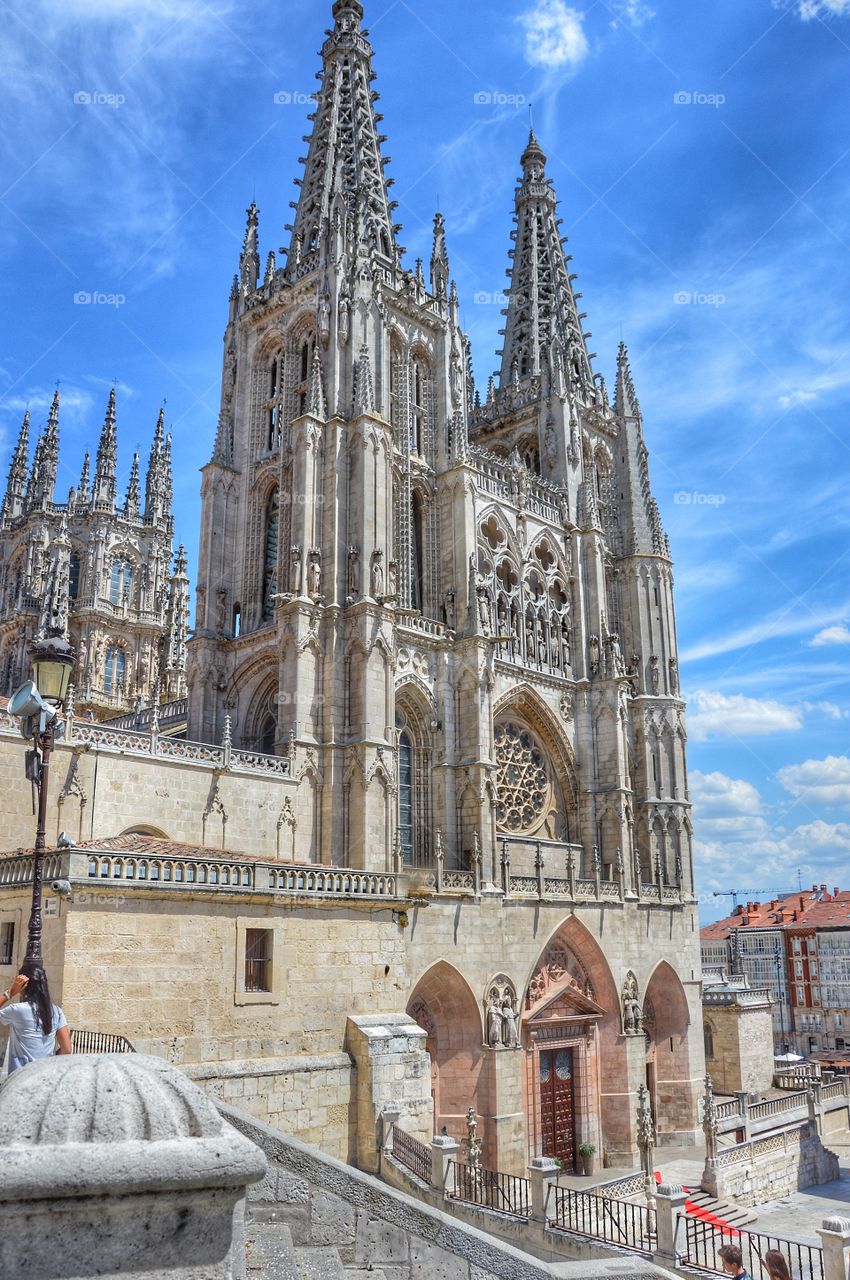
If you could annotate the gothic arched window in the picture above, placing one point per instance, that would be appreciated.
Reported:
(274, 404)
(268, 735)
(414, 787)
(305, 351)
(115, 670)
(418, 407)
(417, 533)
(121, 581)
(272, 522)
(73, 576)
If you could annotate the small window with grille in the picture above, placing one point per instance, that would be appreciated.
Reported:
(258, 959)
(7, 942)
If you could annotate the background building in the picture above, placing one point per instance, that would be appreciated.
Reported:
(96, 567)
(799, 948)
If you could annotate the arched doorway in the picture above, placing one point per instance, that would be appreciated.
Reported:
(576, 1069)
(666, 1024)
(444, 1006)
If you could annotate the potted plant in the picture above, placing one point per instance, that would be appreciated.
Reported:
(586, 1153)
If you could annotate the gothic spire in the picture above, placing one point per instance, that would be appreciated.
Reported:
(344, 165)
(625, 398)
(83, 490)
(31, 497)
(543, 321)
(176, 628)
(249, 259)
(50, 452)
(168, 484)
(439, 259)
(107, 457)
(131, 502)
(13, 502)
(154, 480)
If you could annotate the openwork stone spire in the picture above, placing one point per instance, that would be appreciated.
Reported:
(13, 502)
(625, 397)
(344, 166)
(439, 259)
(543, 322)
(177, 627)
(156, 483)
(107, 457)
(643, 521)
(249, 260)
(50, 453)
(83, 495)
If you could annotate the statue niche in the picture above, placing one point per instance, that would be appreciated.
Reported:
(500, 1007)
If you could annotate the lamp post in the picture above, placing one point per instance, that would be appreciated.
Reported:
(38, 703)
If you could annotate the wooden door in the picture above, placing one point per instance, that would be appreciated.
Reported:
(557, 1120)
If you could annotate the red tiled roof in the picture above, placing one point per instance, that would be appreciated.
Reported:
(807, 908)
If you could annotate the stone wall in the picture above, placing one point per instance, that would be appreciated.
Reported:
(770, 1168)
(742, 1040)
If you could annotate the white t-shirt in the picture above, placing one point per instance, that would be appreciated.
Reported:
(26, 1041)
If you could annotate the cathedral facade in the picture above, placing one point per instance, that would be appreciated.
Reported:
(95, 568)
(456, 612)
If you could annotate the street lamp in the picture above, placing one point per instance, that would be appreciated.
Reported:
(37, 704)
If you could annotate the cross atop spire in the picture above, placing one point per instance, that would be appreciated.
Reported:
(543, 326)
(344, 168)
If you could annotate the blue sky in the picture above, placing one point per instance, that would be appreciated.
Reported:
(704, 174)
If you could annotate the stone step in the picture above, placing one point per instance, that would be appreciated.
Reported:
(737, 1215)
(269, 1252)
(319, 1264)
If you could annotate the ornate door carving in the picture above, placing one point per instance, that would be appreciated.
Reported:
(557, 1119)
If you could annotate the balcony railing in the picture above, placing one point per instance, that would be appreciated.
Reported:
(617, 1222)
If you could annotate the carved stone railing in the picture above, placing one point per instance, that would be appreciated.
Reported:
(167, 713)
(458, 881)
(650, 892)
(728, 1110)
(424, 626)
(777, 1106)
(18, 869)
(523, 886)
(109, 737)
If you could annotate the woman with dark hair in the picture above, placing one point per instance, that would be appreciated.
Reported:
(36, 1025)
(777, 1267)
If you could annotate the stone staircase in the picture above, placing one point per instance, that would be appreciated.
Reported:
(736, 1215)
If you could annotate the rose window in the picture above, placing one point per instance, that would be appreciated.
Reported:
(522, 780)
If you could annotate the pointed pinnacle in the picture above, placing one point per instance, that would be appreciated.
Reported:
(316, 402)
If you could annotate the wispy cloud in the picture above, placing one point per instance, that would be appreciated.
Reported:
(810, 9)
(718, 715)
(824, 782)
(792, 620)
(554, 35)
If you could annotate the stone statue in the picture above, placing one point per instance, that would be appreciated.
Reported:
(593, 646)
(324, 319)
(654, 673)
(314, 573)
(530, 651)
(632, 1018)
(494, 1026)
(353, 571)
(378, 574)
(483, 604)
(449, 608)
(674, 675)
(221, 609)
(344, 317)
(616, 667)
(392, 579)
(295, 572)
(509, 1031)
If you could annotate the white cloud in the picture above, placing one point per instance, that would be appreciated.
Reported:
(839, 634)
(818, 781)
(554, 35)
(809, 9)
(782, 622)
(719, 715)
(830, 709)
(718, 795)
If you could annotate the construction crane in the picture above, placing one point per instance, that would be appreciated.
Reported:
(752, 895)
